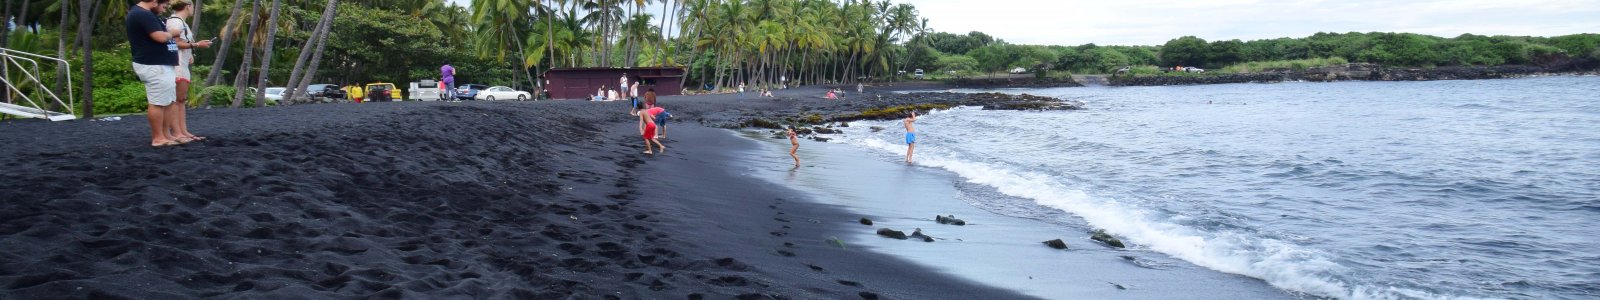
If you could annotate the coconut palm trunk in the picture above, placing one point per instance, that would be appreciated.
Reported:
(87, 9)
(249, 50)
(305, 53)
(227, 40)
(316, 56)
(312, 42)
(61, 49)
(266, 54)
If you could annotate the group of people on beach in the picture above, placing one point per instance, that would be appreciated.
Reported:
(652, 121)
(624, 91)
(162, 50)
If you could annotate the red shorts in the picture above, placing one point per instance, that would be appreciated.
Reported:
(649, 131)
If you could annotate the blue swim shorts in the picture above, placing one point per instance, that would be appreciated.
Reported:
(911, 138)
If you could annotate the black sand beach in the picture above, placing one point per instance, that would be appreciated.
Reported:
(421, 200)
(520, 200)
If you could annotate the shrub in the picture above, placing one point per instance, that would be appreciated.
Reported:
(123, 98)
(222, 96)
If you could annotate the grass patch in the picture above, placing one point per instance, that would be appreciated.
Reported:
(893, 112)
(1296, 65)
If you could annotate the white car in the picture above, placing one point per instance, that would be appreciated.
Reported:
(275, 94)
(500, 92)
(1019, 70)
(1193, 70)
(426, 90)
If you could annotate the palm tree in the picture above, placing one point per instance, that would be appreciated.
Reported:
(61, 46)
(86, 14)
(497, 23)
(316, 58)
(227, 40)
(638, 32)
(244, 67)
(314, 41)
(266, 54)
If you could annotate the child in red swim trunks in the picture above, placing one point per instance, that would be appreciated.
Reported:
(647, 128)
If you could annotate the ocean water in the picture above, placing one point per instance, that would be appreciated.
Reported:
(1351, 190)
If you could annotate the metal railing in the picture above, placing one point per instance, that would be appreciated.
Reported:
(10, 58)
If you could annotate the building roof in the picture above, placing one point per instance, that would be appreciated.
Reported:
(615, 69)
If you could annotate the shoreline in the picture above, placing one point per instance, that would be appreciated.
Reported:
(518, 200)
(993, 248)
(474, 199)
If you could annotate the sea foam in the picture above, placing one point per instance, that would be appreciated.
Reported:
(1281, 264)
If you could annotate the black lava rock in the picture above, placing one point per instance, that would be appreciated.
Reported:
(917, 234)
(892, 233)
(951, 220)
(1056, 243)
(866, 221)
(1101, 236)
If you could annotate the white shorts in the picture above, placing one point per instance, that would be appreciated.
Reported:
(182, 73)
(160, 83)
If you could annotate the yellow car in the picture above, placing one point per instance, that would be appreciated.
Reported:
(382, 92)
(355, 93)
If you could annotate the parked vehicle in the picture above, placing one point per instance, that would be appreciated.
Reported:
(1019, 70)
(425, 90)
(502, 93)
(917, 74)
(469, 91)
(383, 92)
(1193, 70)
(323, 90)
(275, 94)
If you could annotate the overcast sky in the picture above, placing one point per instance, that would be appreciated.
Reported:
(1153, 22)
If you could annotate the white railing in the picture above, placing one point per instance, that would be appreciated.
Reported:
(10, 58)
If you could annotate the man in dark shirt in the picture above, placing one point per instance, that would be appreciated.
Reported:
(154, 56)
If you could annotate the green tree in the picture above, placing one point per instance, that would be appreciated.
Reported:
(1222, 53)
(1184, 51)
(993, 57)
(957, 63)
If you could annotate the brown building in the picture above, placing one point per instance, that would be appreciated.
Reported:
(579, 83)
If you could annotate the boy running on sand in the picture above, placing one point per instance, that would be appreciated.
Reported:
(647, 129)
(794, 143)
(911, 135)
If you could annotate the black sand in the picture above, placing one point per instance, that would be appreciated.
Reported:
(423, 200)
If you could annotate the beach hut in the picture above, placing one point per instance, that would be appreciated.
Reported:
(578, 83)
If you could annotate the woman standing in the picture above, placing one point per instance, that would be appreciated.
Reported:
(182, 10)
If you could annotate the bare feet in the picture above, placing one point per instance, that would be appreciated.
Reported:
(648, 152)
(159, 144)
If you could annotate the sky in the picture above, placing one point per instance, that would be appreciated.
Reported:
(1153, 22)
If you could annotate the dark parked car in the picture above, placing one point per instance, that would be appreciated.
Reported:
(469, 91)
(324, 91)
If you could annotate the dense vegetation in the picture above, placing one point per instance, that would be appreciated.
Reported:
(496, 42)
(722, 43)
(977, 52)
